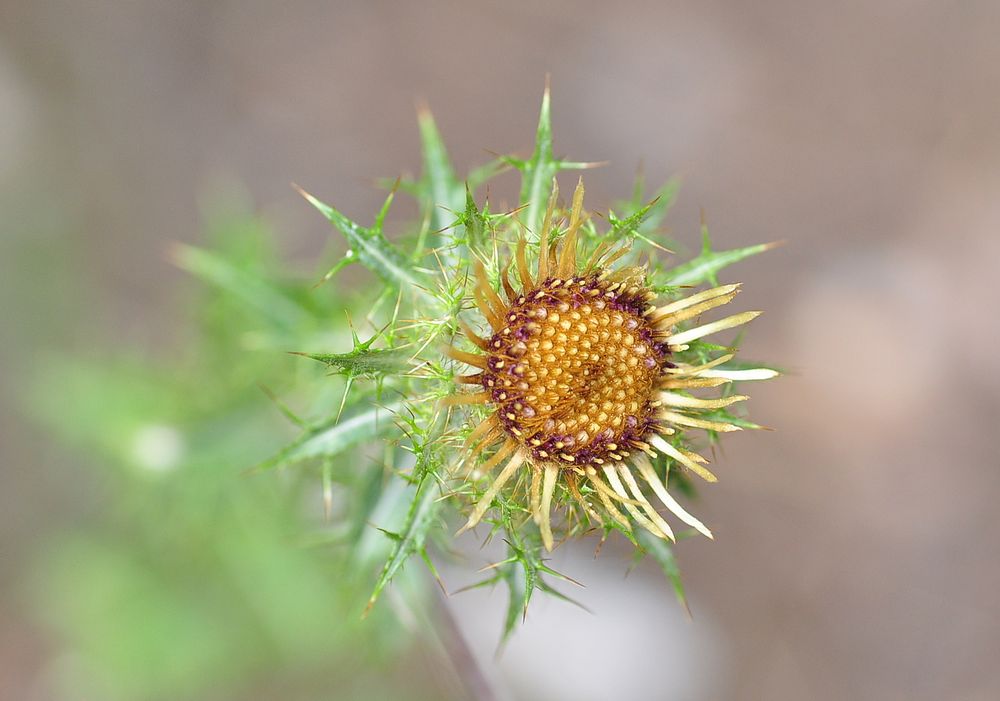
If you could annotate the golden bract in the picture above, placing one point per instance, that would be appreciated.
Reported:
(580, 374)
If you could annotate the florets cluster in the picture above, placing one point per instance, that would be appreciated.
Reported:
(574, 369)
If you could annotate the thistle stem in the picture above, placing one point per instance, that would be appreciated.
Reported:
(459, 652)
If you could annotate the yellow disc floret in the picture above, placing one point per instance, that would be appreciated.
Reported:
(575, 370)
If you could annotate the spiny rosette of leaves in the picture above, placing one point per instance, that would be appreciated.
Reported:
(588, 362)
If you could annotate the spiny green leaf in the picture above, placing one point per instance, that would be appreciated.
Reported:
(539, 170)
(662, 203)
(730, 418)
(285, 410)
(475, 222)
(442, 191)
(334, 437)
(634, 225)
(430, 566)
(549, 589)
(537, 173)
(377, 362)
(706, 266)
(740, 364)
(482, 174)
(679, 481)
(663, 200)
(369, 490)
(423, 510)
(369, 247)
(265, 299)
(629, 226)
(522, 572)
(664, 556)
(519, 590)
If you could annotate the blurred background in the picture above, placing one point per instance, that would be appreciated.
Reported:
(855, 553)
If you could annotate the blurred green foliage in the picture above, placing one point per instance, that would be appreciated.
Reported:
(192, 577)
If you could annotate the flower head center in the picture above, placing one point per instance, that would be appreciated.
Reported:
(575, 369)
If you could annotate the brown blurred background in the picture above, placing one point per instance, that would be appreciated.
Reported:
(856, 547)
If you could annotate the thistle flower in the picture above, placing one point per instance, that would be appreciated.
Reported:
(581, 405)
(586, 381)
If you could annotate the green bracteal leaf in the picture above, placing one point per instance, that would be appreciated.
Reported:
(369, 247)
(538, 171)
(706, 266)
(334, 437)
(264, 298)
(661, 551)
(423, 511)
(476, 222)
(441, 190)
(366, 362)
(520, 586)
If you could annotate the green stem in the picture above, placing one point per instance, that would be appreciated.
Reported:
(459, 652)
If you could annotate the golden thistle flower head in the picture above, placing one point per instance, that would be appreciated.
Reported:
(584, 376)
